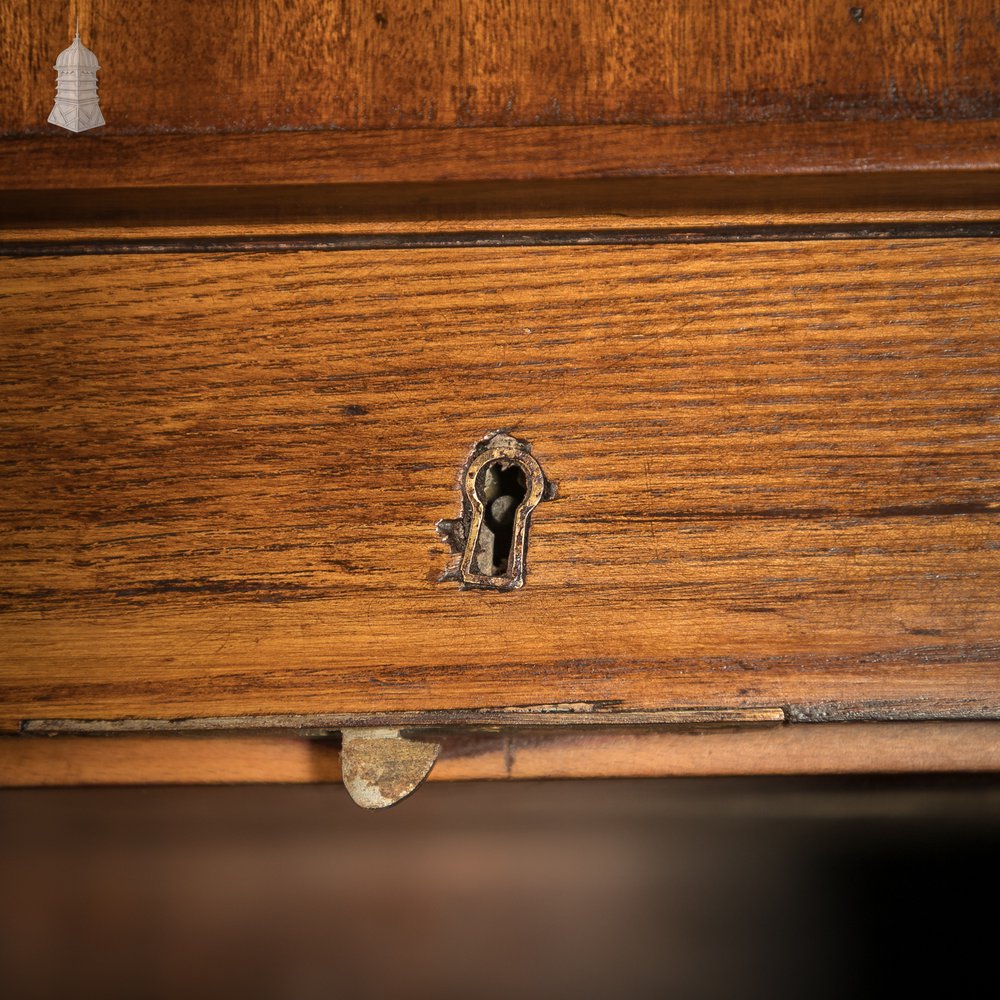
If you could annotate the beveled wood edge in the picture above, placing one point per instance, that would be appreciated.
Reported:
(515, 211)
(541, 152)
(547, 717)
(526, 717)
(828, 749)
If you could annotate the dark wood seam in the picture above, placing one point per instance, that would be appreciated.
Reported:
(485, 239)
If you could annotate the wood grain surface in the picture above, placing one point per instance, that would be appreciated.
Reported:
(777, 466)
(364, 92)
(173, 66)
(846, 748)
(433, 156)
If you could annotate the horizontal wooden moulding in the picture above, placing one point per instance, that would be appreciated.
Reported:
(361, 211)
(434, 156)
(550, 717)
(494, 239)
(845, 748)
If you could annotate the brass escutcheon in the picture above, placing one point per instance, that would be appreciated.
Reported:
(502, 483)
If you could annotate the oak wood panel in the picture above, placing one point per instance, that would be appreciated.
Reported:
(434, 156)
(777, 466)
(846, 748)
(251, 65)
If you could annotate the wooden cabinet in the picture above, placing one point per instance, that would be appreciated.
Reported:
(246, 355)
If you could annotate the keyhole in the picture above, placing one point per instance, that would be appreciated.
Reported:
(501, 487)
(502, 483)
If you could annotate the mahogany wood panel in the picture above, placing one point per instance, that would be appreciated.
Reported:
(846, 748)
(777, 466)
(261, 65)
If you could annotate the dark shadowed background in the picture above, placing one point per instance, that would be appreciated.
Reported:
(686, 888)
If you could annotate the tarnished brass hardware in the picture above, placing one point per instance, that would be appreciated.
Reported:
(381, 766)
(501, 485)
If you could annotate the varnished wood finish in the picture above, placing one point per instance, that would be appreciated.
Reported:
(848, 748)
(436, 156)
(304, 92)
(147, 760)
(625, 203)
(777, 469)
(170, 66)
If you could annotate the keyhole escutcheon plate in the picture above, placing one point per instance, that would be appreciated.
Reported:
(502, 483)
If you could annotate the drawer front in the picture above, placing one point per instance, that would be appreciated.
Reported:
(776, 463)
